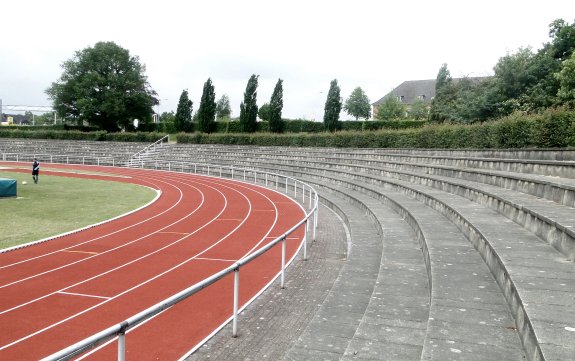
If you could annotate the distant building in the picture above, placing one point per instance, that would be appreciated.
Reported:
(15, 119)
(410, 91)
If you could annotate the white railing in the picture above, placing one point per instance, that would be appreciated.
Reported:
(62, 159)
(137, 157)
(270, 180)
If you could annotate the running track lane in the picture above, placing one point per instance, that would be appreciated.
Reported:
(58, 292)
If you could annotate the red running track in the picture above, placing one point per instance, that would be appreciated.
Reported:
(59, 292)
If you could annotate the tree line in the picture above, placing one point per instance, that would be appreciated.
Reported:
(105, 87)
(524, 81)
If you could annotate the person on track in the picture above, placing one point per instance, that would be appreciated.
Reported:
(35, 170)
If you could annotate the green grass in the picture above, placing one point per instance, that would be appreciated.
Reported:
(60, 204)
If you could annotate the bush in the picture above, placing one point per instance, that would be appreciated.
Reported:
(553, 128)
(8, 132)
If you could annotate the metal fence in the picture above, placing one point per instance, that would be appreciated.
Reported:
(289, 185)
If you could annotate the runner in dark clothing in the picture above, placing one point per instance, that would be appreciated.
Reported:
(35, 170)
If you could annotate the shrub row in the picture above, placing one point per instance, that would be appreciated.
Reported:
(308, 126)
(551, 129)
(10, 132)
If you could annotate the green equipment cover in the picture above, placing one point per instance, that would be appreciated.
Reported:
(8, 187)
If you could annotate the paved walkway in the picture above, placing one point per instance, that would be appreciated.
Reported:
(272, 323)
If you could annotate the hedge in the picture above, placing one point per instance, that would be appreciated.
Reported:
(9, 132)
(554, 128)
(551, 129)
(308, 126)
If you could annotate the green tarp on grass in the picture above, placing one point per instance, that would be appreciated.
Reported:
(7, 187)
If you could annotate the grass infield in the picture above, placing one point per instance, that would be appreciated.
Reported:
(60, 204)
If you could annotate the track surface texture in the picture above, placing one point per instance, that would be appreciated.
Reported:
(55, 293)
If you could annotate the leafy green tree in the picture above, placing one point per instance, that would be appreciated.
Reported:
(207, 110)
(183, 118)
(443, 77)
(419, 110)
(276, 107)
(223, 108)
(44, 119)
(563, 39)
(390, 109)
(264, 112)
(29, 116)
(358, 105)
(105, 86)
(513, 73)
(167, 121)
(566, 79)
(249, 107)
(332, 107)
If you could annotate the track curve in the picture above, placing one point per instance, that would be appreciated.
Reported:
(56, 293)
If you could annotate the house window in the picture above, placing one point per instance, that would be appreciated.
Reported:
(400, 98)
(421, 97)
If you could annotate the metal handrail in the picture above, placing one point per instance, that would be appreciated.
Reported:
(138, 154)
(119, 330)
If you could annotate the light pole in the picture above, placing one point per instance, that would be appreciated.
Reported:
(158, 114)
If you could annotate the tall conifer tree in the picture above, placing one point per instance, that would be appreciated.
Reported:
(183, 118)
(207, 110)
(249, 107)
(332, 107)
(276, 106)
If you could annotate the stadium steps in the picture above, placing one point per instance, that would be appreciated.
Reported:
(546, 220)
(373, 290)
(560, 274)
(551, 222)
(79, 151)
(541, 301)
(469, 317)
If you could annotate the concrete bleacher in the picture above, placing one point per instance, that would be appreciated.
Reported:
(520, 222)
(78, 151)
(453, 254)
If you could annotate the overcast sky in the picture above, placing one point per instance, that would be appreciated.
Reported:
(375, 45)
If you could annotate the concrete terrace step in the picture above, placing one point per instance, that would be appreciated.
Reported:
(371, 292)
(549, 221)
(548, 167)
(469, 318)
(534, 298)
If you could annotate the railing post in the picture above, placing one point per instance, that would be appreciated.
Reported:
(295, 189)
(286, 185)
(122, 342)
(282, 283)
(236, 293)
(255, 177)
(305, 240)
(315, 221)
(310, 198)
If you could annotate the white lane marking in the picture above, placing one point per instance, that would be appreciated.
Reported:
(83, 295)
